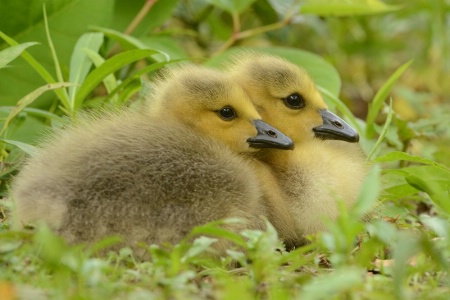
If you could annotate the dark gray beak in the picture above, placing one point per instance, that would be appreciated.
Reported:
(269, 137)
(334, 128)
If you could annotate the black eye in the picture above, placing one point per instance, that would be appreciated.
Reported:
(294, 101)
(227, 113)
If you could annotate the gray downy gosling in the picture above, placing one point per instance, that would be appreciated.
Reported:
(152, 175)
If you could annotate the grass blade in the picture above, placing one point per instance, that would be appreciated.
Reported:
(398, 155)
(34, 111)
(126, 41)
(54, 56)
(109, 81)
(110, 66)
(383, 131)
(27, 148)
(38, 68)
(80, 64)
(28, 99)
(11, 53)
(381, 96)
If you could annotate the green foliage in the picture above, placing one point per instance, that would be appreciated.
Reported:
(346, 8)
(91, 54)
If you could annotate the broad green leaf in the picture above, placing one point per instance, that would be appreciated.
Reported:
(383, 230)
(383, 132)
(381, 96)
(368, 194)
(398, 191)
(439, 192)
(439, 226)
(67, 20)
(346, 7)
(322, 72)
(198, 246)
(232, 6)
(405, 247)
(337, 282)
(27, 148)
(110, 66)
(214, 229)
(28, 99)
(398, 155)
(285, 7)
(11, 53)
(80, 64)
(220, 233)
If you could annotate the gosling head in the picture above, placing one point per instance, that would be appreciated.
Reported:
(212, 104)
(287, 98)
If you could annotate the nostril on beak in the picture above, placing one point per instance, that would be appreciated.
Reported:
(271, 133)
(338, 124)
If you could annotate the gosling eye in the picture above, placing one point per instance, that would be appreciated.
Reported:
(227, 113)
(294, 101)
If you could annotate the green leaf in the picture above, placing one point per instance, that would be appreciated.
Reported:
(369, 193)
(33, 111)
(11, 53)
(127, 42)
(232, 6)
(381, 96)
(80, 64)
(36, 66)
(439, 192)
(138, 74)
(322, 72)
(109, 81)
(405, 247)
(339, 281)
(110, 66)
(398, 155)
(383, 131)
(346, 8)
(28, 99)
(130, 43)
(214, 229)
(27, 148)
(67, 20)
(198, 246)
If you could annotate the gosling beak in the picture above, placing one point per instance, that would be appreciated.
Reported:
(334, 128)
(269, 137)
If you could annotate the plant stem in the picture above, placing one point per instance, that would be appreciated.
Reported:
(262, 29)
(140, 16)
(240, 35)
(135, 23)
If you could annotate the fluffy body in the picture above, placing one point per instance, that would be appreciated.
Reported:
(124, 176)
(318, 173)
(152, 175)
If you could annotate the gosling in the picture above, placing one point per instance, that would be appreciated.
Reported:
(326, 165)
(152, 175)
